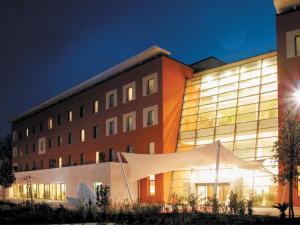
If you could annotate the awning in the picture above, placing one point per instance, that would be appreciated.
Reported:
(144, 165)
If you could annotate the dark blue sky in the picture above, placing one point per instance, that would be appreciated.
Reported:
(47, 47)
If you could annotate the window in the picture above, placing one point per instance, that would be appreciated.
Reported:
(52, 163)
(96, 106)
(129, 92)
(97, 157)
(41, 145)
(50, 123)
(129, 121)
(70, 160)
(111, 99)
(82, 135)
(70, 116)
(150, 116)
(150, 84)
(41, 126)
(70, 138)
(111, 126)
(151, 148)
(59, 162)
(129, 148)
(82, 111)
(95, 131)
(297, 45)
(42, 164)
(33, 147)
(26, 149)
(112, 153)
(82, 159)
(20, 134)
(152, 185)
(33, 129)
(14, 136)
(59, 141)
(27, 132)
(59, 120)
(49, 143)
(15, 152)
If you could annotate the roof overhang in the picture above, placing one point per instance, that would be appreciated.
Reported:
(283, 6)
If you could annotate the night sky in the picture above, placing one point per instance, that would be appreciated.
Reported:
(47, 47)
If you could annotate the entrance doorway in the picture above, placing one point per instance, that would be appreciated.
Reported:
(206, 191)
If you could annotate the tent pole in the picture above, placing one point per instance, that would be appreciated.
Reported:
(125, 177)
(217, 169)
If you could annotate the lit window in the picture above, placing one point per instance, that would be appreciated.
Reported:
(297, 45)
(82, 135)
(111, 126)
(129, 92)
(151, 148)
(95, 131)
(70, 116)
(150, 84)
(129, 122)
(112, 153)
(60, 162)
(96, 184)
(152, 184)
(111, 99)
(59, 141)
(82, 111)
(96, 106)
(97, 157)
(50, 123)
(150, 116)
(27, 132)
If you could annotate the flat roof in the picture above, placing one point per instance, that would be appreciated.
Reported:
(128, 63)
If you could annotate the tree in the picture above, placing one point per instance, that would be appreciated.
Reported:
(287, 150)
(7, 177)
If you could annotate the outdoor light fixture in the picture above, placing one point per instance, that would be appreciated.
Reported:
(297, 96)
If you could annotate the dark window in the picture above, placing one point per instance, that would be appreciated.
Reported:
(33, 147)
(111, 100)
(33, 166)
(41, 126)
(82, 158)
(111, 127)
(49, 143)
(27, 166)
(111, 155)
(82, 111)
(42, 164)
(297, 45)
(96, 132)
(70, 138)
(33, 129)
(129, 123)
(150, 117)
(20, 134)
(59, 141)
(70, 160)
(26, 149)
(59, 120)
(129, 148)
(52, 163)
(150, 86)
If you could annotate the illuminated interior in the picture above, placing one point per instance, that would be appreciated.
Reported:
(237, 105)
(54, 191)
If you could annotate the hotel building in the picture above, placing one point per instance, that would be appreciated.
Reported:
(153, 104)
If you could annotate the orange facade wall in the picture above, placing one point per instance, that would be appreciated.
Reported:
(288, 77)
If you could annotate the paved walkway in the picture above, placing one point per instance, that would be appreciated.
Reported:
(273, 212)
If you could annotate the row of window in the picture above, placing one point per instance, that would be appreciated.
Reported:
(100, 157)
(150, 118)
(150, 86)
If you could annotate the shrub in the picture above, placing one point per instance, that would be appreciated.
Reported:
(282, 208)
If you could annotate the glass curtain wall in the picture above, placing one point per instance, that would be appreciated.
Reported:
(239, 107)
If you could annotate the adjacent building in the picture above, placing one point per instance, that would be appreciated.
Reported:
(152, 103)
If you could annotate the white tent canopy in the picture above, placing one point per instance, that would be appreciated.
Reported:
(144, 165)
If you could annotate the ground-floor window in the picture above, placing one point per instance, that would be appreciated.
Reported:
(54, 191)
(152, 185)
